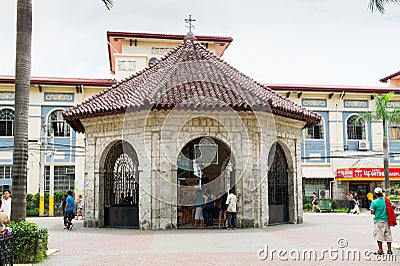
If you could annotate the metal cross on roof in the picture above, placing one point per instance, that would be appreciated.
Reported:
(189, 21)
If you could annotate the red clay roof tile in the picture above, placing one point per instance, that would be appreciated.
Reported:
(189, 77)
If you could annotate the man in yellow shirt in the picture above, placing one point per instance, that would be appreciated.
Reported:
(370, 198)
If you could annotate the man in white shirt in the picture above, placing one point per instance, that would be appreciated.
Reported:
(6, 202)
(231, 202)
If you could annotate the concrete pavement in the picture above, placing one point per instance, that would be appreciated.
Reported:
(115, 246)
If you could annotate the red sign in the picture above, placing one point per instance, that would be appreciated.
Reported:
(369, 173)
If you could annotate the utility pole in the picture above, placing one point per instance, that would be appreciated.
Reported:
(41, 170)
(51, 194)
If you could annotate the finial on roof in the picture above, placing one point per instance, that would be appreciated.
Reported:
(189, 23)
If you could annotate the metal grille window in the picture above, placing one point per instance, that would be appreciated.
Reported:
(316, 131)
(355, 128)
(58, 125)
(6, 122)
(278, 179)
(5, 171)
(394, 131)
(64, 178)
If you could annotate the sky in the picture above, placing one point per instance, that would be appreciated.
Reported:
(316, 42)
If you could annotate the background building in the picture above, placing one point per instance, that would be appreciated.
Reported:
(339, 154)
(344, 153)
(49, 97)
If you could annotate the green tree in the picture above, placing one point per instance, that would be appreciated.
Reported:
(383, 113)
(379, 5)
(21, 114)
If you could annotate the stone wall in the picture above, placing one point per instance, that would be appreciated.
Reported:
(159, 136)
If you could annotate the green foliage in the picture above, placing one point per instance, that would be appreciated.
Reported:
(394, 197)
(306, 199)
(379, 5)
(34, 212)
(28, 239)
(307, 206)
(341, 210)
(33, 200)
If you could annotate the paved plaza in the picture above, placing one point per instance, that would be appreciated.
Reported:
(115, 246)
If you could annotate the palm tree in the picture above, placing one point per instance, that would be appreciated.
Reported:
(22, 85)
(379, 5)
(382, 113)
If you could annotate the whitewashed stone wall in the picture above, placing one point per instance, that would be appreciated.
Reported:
(159, 136)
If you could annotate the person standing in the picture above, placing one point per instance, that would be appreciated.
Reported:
(382, 231)
(69, 211)
(6, 202)
(350, 201)
(370, 198)
(231, 202)
(208, 208)
(315, 202)
(79, 207)
(198, 216)
(356, 209)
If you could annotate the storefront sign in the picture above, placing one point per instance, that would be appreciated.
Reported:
(313, 102)
(370, 173)
(356, 104)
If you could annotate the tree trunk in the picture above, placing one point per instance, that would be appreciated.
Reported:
(22, 86)
(386, 158)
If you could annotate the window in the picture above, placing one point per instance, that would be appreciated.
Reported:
(64, 178)
(126, 65)
(355, 128)
(394, 131)
(316, 131)
(5, 171)
(6, 122)
(58, 125)
(152, 61)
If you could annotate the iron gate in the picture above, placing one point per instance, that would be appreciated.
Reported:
(121, 191)
(278, 188)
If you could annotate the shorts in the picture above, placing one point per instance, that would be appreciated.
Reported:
(382, 232)
(199, 213)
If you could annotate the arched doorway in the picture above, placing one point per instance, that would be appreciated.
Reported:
(121, 186)
(278, 197)
(205, 167)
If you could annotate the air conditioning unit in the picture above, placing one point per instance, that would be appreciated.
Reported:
(363, 145)
(324, 194)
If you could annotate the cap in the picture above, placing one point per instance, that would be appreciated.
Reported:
(378, 190)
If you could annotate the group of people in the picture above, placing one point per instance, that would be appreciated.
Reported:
(71, 209)
(5, 210)
(353, 203)
(208, 207)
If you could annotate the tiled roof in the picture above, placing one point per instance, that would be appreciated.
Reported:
(189, 77)
(385, 79)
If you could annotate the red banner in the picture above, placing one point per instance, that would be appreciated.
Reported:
(369, 173)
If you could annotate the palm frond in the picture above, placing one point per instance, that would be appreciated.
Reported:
(379, 5)
(108, 3)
